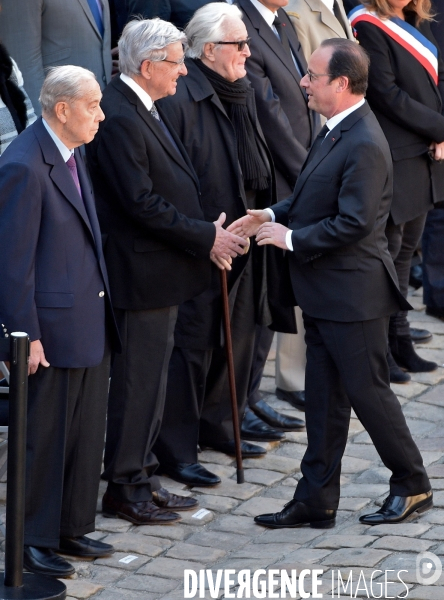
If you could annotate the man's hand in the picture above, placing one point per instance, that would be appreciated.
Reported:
(221, 263)
(249, 225)
(226, 244)
(437, 150)
(272, 233)
(36, 357)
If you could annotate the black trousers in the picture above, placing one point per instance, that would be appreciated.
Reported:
(216, 424)
(136, 402)
(403, 239)
(347, 368)
(64, 447)
(262, 343)
(433, 258)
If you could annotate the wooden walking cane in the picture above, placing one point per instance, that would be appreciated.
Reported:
(231, 378)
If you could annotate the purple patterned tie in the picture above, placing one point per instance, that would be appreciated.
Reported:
(72, 166)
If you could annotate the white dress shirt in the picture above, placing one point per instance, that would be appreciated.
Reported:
(331, 124)
(144, 96)
(64, 151)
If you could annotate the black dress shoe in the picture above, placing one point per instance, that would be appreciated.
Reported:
(84, 546)
(420, 335)
(168, 501)
(46, 562)
(296, 399)
(253, 428)
(275, 419)
(396, 509)
(190, 474)
(397, 375)
(295, 514)
(435, 312)
(139, 513)
(405, 356)
(248, 450)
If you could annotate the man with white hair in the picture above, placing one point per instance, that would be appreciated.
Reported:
(55, 288)
(158, 249)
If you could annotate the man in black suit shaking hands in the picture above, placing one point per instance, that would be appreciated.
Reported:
(344, 280)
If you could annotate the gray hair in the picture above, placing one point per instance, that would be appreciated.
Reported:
(62, 84)
(146, 39)
(208, 25)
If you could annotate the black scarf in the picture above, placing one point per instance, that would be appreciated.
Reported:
(233, 96)
(10, 93)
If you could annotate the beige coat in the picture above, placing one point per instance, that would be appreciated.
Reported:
(314, 22)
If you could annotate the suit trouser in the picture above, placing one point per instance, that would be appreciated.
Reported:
(216, 423)
(433, 258)
(290, 357)
(263, 339)
(403, 239)
(136, 401)
(347, 368)
(66, 431)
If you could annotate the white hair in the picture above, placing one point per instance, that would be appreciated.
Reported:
(62, 84)
(208, 25)
(146, 39)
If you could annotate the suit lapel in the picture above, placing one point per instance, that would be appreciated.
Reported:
(88, 201)
(331, 139)
(327, 17)
(59, 172)
(85, 6)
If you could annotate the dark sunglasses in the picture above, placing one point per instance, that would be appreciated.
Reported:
(240, 45)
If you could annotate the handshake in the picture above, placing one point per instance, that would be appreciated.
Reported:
(235, 241)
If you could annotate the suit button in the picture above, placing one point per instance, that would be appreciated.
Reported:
(101, 294)
(290, 220)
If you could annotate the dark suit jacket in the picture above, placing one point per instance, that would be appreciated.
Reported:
(148, 201)
(50, 243)
(199, 118)
(282, 108)
(409, 108)
(178, 12)
(341, 269)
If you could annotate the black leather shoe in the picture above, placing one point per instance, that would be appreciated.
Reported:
(255, 429)
(275, 419)
(190, 474)
(296, 399)
(46, 562)
(397, 375)
(139, 513)
(295, 514)
(420, 336)
(435, 312)
(396, 509)
(168, 501)
(84, 546)
(248, 450)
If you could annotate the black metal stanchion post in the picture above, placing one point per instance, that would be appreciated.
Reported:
(16, 584)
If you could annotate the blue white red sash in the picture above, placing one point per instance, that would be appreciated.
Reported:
(405, 34)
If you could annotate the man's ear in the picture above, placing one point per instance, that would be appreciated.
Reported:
(146, 69)
(208, 51)
(61, 111)
(342, 84)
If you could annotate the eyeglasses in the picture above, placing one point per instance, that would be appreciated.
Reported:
(179, 62)
(240, 44)
(314, 76)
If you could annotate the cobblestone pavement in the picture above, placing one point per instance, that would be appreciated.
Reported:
(150, 561)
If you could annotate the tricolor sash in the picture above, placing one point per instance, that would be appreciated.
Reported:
(405, 34)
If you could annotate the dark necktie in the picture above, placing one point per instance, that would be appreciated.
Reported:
(72, 166)
(97, 15)
(280, 28)
(154, 112)
(317, 143)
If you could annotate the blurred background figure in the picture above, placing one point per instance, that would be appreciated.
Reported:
(406, 86)
(46, 33)
(16, 111)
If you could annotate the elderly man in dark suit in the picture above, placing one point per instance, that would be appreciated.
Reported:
(334, 229)
(46, 33)
(275, 68)
(158, 251)
(55, 288)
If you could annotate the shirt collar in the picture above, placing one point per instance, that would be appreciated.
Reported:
(144, 97)
(267, 14)
(329, 4)
(331, 123)
(64, 151)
